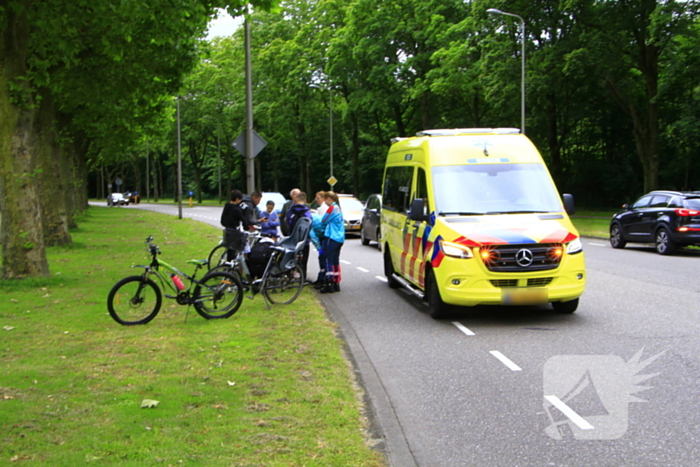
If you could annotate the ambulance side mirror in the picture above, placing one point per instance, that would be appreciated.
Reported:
(417, 212)
(569, 204)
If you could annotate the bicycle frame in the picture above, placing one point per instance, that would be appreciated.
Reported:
(165, 283)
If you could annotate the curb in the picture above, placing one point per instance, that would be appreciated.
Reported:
(384, 424)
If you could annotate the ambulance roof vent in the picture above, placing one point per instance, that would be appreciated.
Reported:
(469, 131)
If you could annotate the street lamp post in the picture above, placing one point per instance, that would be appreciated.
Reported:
(495, 11)
(330, 124)
(179, 164)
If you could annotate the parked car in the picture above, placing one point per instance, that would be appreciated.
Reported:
(117, 199)
(278, 198)
(669, 219)
(352, 212)
(370, 230)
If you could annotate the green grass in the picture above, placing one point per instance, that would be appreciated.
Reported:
(593, 223)
(262, 388)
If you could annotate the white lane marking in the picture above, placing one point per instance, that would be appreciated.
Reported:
(345, 262)
(597, 244)
(566, 410)
(505, 360)
(382, 278)
(463, 328)
(362, 269)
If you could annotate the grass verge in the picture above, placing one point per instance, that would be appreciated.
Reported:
(262, 388)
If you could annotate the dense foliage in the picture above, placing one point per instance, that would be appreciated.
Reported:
(612, 91)
(88, 88)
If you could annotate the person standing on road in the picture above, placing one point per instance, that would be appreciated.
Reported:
(285, 207)
(333, 239)
(320, 201)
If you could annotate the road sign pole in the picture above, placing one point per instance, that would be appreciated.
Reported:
(250, 163)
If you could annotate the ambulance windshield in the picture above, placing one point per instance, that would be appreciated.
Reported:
(483, 189)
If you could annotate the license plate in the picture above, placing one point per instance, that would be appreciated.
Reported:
(524, 296)
(355, 227)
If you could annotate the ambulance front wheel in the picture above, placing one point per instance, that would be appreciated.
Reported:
(565, 307)
(389, 269)
(436, 307)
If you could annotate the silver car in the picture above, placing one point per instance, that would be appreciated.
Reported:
(371, 225)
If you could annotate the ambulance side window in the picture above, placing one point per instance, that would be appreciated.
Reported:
(422, 190)
(397, 188)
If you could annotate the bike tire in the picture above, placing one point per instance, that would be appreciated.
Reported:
(217, 256)
(218, 295)
(134, 300)
(282, 287)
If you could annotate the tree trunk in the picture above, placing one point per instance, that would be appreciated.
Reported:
(21, 233)
(54, 176)
(553, 140)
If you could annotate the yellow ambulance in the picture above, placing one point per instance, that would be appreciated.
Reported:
(472, 217)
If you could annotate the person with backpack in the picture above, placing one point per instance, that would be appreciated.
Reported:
(296, 211)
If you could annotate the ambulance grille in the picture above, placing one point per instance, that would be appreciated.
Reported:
(532, 282)
(522, 258)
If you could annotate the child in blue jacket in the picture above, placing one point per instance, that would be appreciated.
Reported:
(268, 227)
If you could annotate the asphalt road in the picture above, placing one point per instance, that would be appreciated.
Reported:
(481, 388)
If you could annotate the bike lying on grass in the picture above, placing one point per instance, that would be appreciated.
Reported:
(138, 299)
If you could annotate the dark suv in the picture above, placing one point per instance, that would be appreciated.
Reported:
(669, 219)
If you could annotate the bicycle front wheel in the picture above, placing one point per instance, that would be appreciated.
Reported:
(217, 256)
(282, 287)
(218, 295)
(134, 300)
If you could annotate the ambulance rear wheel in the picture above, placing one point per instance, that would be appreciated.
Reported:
(389, 270)
(436, 307)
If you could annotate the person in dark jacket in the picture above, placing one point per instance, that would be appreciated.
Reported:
(233, 218)
(298, 210)
(249, 205)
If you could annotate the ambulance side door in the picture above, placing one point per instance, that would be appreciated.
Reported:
(416, 232)
(395, 204)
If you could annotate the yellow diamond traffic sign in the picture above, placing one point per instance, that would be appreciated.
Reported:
(332, 181)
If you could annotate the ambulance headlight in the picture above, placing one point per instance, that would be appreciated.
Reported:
(456, 250)
(574, 246)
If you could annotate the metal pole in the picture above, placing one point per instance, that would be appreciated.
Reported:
(250, 162)
(218, 159)
(522, 92)
(179, 164)
(148, 176)
(496, 11)
(330, 91)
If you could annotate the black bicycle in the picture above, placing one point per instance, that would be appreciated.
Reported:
(283, 278)
(138, 299)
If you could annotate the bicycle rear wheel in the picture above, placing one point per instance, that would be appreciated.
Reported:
(282, 287)
(217, 256)
(134, 300)
(218, 295)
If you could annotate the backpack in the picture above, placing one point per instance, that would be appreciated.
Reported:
(296, 212)
(258, 257)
